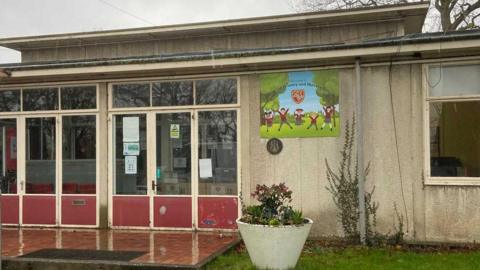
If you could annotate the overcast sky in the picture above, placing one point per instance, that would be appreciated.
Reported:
(40, 17)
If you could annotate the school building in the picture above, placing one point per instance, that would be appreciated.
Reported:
(162, 128)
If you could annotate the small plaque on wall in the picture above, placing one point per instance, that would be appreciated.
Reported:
(274, 146)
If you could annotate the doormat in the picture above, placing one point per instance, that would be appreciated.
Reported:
(84, 254)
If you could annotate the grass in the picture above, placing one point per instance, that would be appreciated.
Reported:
(359, 258)
(300, 131)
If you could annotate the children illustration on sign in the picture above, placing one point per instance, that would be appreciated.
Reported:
(299, 117)
(283, 118)
(313, 120)
(310, 99)
(268, 119)
(329, 112)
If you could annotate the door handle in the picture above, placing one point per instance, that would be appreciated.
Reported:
(153, 185)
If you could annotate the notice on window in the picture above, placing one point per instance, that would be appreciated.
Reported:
(205, 167)
(175, 131)
(131, 129)
(130, 164)
(131, 149)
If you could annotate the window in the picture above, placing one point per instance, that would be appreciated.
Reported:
(79, 154)
(453, 104)
(173, 154)
(172, 93)
(40, 153)
(42, 99)
(217, 133)
(8, 155)
(219, 91)
(10, 101)
(130, 170)
(131, 95)
(79, 97)
(175, 93)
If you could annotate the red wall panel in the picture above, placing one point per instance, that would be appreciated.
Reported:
(175, 212)
(217, 212)
(79, 210)
(131, 211)
(10, 205)
(39, 210)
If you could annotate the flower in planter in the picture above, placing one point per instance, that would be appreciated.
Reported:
(273, 208)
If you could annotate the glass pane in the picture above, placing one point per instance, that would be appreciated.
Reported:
(454, 80)
(10, 101)
(8, 155)
(454, 139)
(130, 154)
(218, 91)
(79, 154)
(80, 97)
(173, 154)
(45, 99)
(217, 152)
(172, 93)
(131, 95)
(40, 155)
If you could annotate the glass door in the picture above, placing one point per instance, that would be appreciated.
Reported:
(8, 171)
(174, 169)
(131, 191)
(217, 188)
(172, 184)
(79, 170)
(39, 200)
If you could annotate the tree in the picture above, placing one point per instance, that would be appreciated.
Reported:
(271, 86)
(327, 86)
(316, 5)
(458, 14)
(444, 15)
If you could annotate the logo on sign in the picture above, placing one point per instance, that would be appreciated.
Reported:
(298, 95)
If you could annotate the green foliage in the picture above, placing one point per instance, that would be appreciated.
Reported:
(327, 86)
(273, 209)
(272, 105)
(274, 222)
(343, 185)
(273, 82)
(271, 86)
(297, 217)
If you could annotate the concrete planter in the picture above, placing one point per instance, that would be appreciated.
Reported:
(274, 247)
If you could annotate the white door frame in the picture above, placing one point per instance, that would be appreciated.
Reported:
(21, 166)
(151, 162)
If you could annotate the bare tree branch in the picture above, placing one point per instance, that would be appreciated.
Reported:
(446, 15)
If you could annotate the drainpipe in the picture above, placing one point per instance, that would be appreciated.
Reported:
(359, 139)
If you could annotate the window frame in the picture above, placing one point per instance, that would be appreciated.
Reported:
(426, 101)
(111, 108)
(58, 87)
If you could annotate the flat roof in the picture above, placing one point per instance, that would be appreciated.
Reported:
(457, 43)
(414, 12)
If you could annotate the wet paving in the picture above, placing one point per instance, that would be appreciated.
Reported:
(157, 247)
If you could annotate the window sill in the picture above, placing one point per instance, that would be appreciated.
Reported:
(452, 181)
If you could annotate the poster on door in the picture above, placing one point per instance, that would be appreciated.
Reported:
(300, 104)
(130, 164)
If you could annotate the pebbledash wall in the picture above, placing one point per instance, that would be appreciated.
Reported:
(392, 119)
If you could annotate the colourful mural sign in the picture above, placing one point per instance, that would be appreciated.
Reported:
(300, 104)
